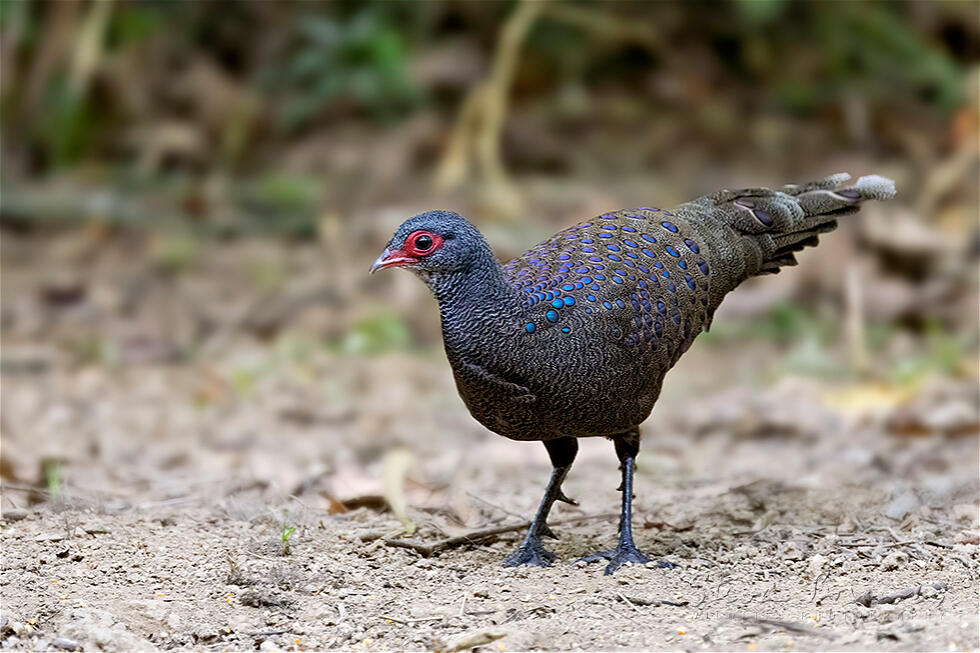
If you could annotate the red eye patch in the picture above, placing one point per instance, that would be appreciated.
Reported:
(421, 243)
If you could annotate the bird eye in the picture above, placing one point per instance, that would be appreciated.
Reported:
(423, 243)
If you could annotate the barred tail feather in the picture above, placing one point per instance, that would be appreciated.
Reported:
(757, 231)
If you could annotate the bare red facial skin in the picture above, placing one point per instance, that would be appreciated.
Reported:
(410, 252)
(413, 247)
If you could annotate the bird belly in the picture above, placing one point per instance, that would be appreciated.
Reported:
(562, 409)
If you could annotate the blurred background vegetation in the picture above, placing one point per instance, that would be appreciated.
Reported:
(179, 175)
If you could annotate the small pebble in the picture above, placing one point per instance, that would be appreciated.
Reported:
(895, 560)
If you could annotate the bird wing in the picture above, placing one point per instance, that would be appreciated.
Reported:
(631, 277)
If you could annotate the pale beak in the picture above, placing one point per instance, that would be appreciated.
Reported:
(392, 259)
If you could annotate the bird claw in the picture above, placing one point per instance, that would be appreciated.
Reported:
(545, 531)
(621, 555)
(561, 497)
(530, 555)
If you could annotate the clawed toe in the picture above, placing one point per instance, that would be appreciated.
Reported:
(621, 555)
(533, 555)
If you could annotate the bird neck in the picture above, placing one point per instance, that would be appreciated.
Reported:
(476, 305)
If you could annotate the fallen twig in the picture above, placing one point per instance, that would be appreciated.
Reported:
(408, 621)
(634, 601)
(789, 626)
(475, 537)
(627, 601)
(468, 641)
(868, 599)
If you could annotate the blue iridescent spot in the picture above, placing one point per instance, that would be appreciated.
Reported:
(635, 216)
(595, 259)
(529, 327)
(607, 305)
(690, 281)
(703, 266)
(586, 279)
(608, 217)
(588, 250)
(671, 251)
(591, 298)
(620, 272)
(587, 241)
(616, 279)
(629, 229)
(671, 287)
(619, 302)
(648, 253)
(595, 286)
(661, 307)
(569, 301)
(599, 277)
(564, 257)
(665, 274)
(649, 239)
(610, 227)
(600, 267)
(682, 264)
(613, 257)
(693, 246)
(581, 270)
(630, 243)
(552, 316)
(612, 248)
(658, 265)
(557, 303)
(588, 310)
(669, 226)
(568, 287)
(631, 255)
(566, 329)
(604, 235)
(579, 285)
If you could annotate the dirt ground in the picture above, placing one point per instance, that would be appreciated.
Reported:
(146, 506)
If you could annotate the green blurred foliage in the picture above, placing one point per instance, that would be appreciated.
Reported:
(315, 63)
(361, 59)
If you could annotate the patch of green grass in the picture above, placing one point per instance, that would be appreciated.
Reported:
(376, 333)
(785, 322)
(286, 532)
(943, 353)
(52, 478)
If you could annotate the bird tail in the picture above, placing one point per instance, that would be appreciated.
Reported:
(765, 228)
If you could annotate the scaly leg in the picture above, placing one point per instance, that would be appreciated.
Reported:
(627, 447)
(531, 552)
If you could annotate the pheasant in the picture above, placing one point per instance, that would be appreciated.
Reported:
(573, 338)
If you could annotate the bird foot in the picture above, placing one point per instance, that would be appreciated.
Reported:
(621, 555)
(530, 554)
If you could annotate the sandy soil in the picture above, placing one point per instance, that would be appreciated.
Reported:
(146, 494)
(794, 511)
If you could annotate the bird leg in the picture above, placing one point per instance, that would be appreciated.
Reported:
(626, 449)
(531, 551)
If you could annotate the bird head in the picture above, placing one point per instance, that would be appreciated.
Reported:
(433, 243)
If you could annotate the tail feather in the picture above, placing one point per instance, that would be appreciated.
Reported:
(757, 230)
